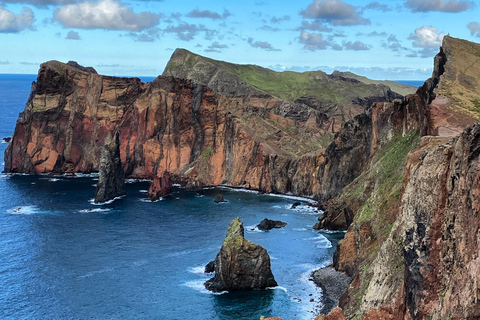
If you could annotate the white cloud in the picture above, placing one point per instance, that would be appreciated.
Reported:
(474, 28)
(104, 14)
(439, 5)
(426, 37)
(313, 41)
(13, 23)
(41, 3)
(335, 12)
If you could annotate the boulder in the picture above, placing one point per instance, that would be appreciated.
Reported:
(240, 264)
(219, 199)
(7, 139)
(111, 178)
(268, 224)
(296, 204)
(160, 186)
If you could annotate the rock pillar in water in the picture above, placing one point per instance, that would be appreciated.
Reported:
(240, 264)
(160, 186)
(111, 178)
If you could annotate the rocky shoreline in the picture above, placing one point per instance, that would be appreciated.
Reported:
(333, 284)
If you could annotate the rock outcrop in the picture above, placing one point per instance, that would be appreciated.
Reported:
(111, 177)
(411, 247)
(160, 186)
(267, 224)
(240, 264)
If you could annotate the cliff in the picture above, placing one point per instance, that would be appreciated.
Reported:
(245, 137)
(411, 242)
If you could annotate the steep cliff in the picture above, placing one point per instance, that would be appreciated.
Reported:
(203, 137)
(411, 248)
(167, 125)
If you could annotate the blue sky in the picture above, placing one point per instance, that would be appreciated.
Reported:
(393, 39)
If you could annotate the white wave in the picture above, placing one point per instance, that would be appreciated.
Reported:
(27, 210)
(87, 175)
(54, 179)
(131, 180)
(278, 288)
(321, 241)
(197, 270)
(92, 201)
(176, 185)
(299, 229)
(199, 285)
(93, 273)
(143, 191)
(252, 229)
(149, 200)
(235, 189)
(95, 210)
(199, 195)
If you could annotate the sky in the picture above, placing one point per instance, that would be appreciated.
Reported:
(393, 39)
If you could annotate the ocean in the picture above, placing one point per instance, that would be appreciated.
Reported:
(62, 257)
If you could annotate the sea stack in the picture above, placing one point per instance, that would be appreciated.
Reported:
(111, 179)
(160, 186)
(240, 264)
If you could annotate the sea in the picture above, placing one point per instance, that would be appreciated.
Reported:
(63, 257)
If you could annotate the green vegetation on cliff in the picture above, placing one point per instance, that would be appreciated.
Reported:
(287, 85)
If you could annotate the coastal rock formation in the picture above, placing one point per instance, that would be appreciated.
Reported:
(267, 224)
(200, 136)
(160, 186)
(219, 199)
(412, 246)
(111, 177)
(240, 264)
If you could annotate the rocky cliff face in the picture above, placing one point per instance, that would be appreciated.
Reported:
(411, 248)
(200, 136)
(240, 264)
(167, 125)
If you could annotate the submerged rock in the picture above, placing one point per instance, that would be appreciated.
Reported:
(240, 264)
(160, 186)
(111, 178)
(268, 224)
(219, 199)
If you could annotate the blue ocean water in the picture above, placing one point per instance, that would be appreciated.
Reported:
(61, 257)
(415, 83)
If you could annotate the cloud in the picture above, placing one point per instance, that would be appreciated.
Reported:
(439, 5)
(474, 28)
(25, 63)
(208, 14)
(268, 28)
(315, 25)
(313, 41)
(4, 62)
(355, 46)
(13, 23)
(72, 35)
(215, 47)
(375, 5)
(185, 31)
(335, 12)
(104, 14)
(279, 19)
(42, 3)
(261, 45)
(149, 35)
(393, 44)
(427, 39)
